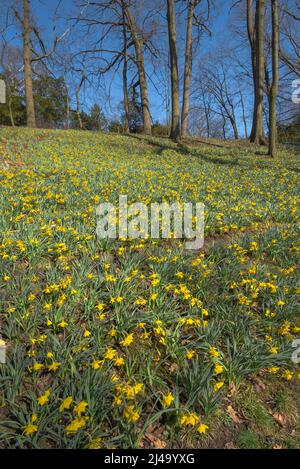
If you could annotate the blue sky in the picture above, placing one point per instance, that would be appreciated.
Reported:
(224, 38)
(43, 11)
(91, 95)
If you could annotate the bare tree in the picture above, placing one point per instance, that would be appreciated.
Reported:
(243, 113)
(78, 88)
(275, 79)
(217, 93)
(187, 69)
(31, 31)
(218, 87)
(175, 125)
(199, 21)
(125, 85)
(11, 61)
(31, 122)
(114, 19)
(252, 41)
(257, 40)
(289, 48)
(67, 104)
(138, 44)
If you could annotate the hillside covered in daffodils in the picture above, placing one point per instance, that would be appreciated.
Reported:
(140, 343)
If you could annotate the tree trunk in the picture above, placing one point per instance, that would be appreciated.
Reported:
(9, 102)
(78, 108)
(251, 36)
(175, 125)
(257, 134)
(244, 115)
(168, 97)
(67, 105)
(224, 128)
(275, 79)
(138, 44)
(27, 65)
(125, 86)
(267, 82)
(234, 127)
(207, 116)
(187, 70)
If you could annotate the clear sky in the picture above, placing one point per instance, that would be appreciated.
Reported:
(43, 12)
(46, 8)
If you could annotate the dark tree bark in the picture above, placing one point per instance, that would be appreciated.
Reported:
(138, 44)
(252, 42)
(68, 111)
(207, 114)
(244, 115)
(125, 86)
(234, 128)
(67, 105)
(31, 122)
(78, 105)
(224, 128)
(275, 79)
(187, 69)
(268, 85)
(168, 97)
(175, 125)
(257, 134)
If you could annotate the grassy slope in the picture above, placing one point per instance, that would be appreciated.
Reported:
(68, 298)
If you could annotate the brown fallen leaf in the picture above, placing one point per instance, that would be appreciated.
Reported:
(280, 418)
(160, 444)
(277, 447)
(156, 442)
(233, 415)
